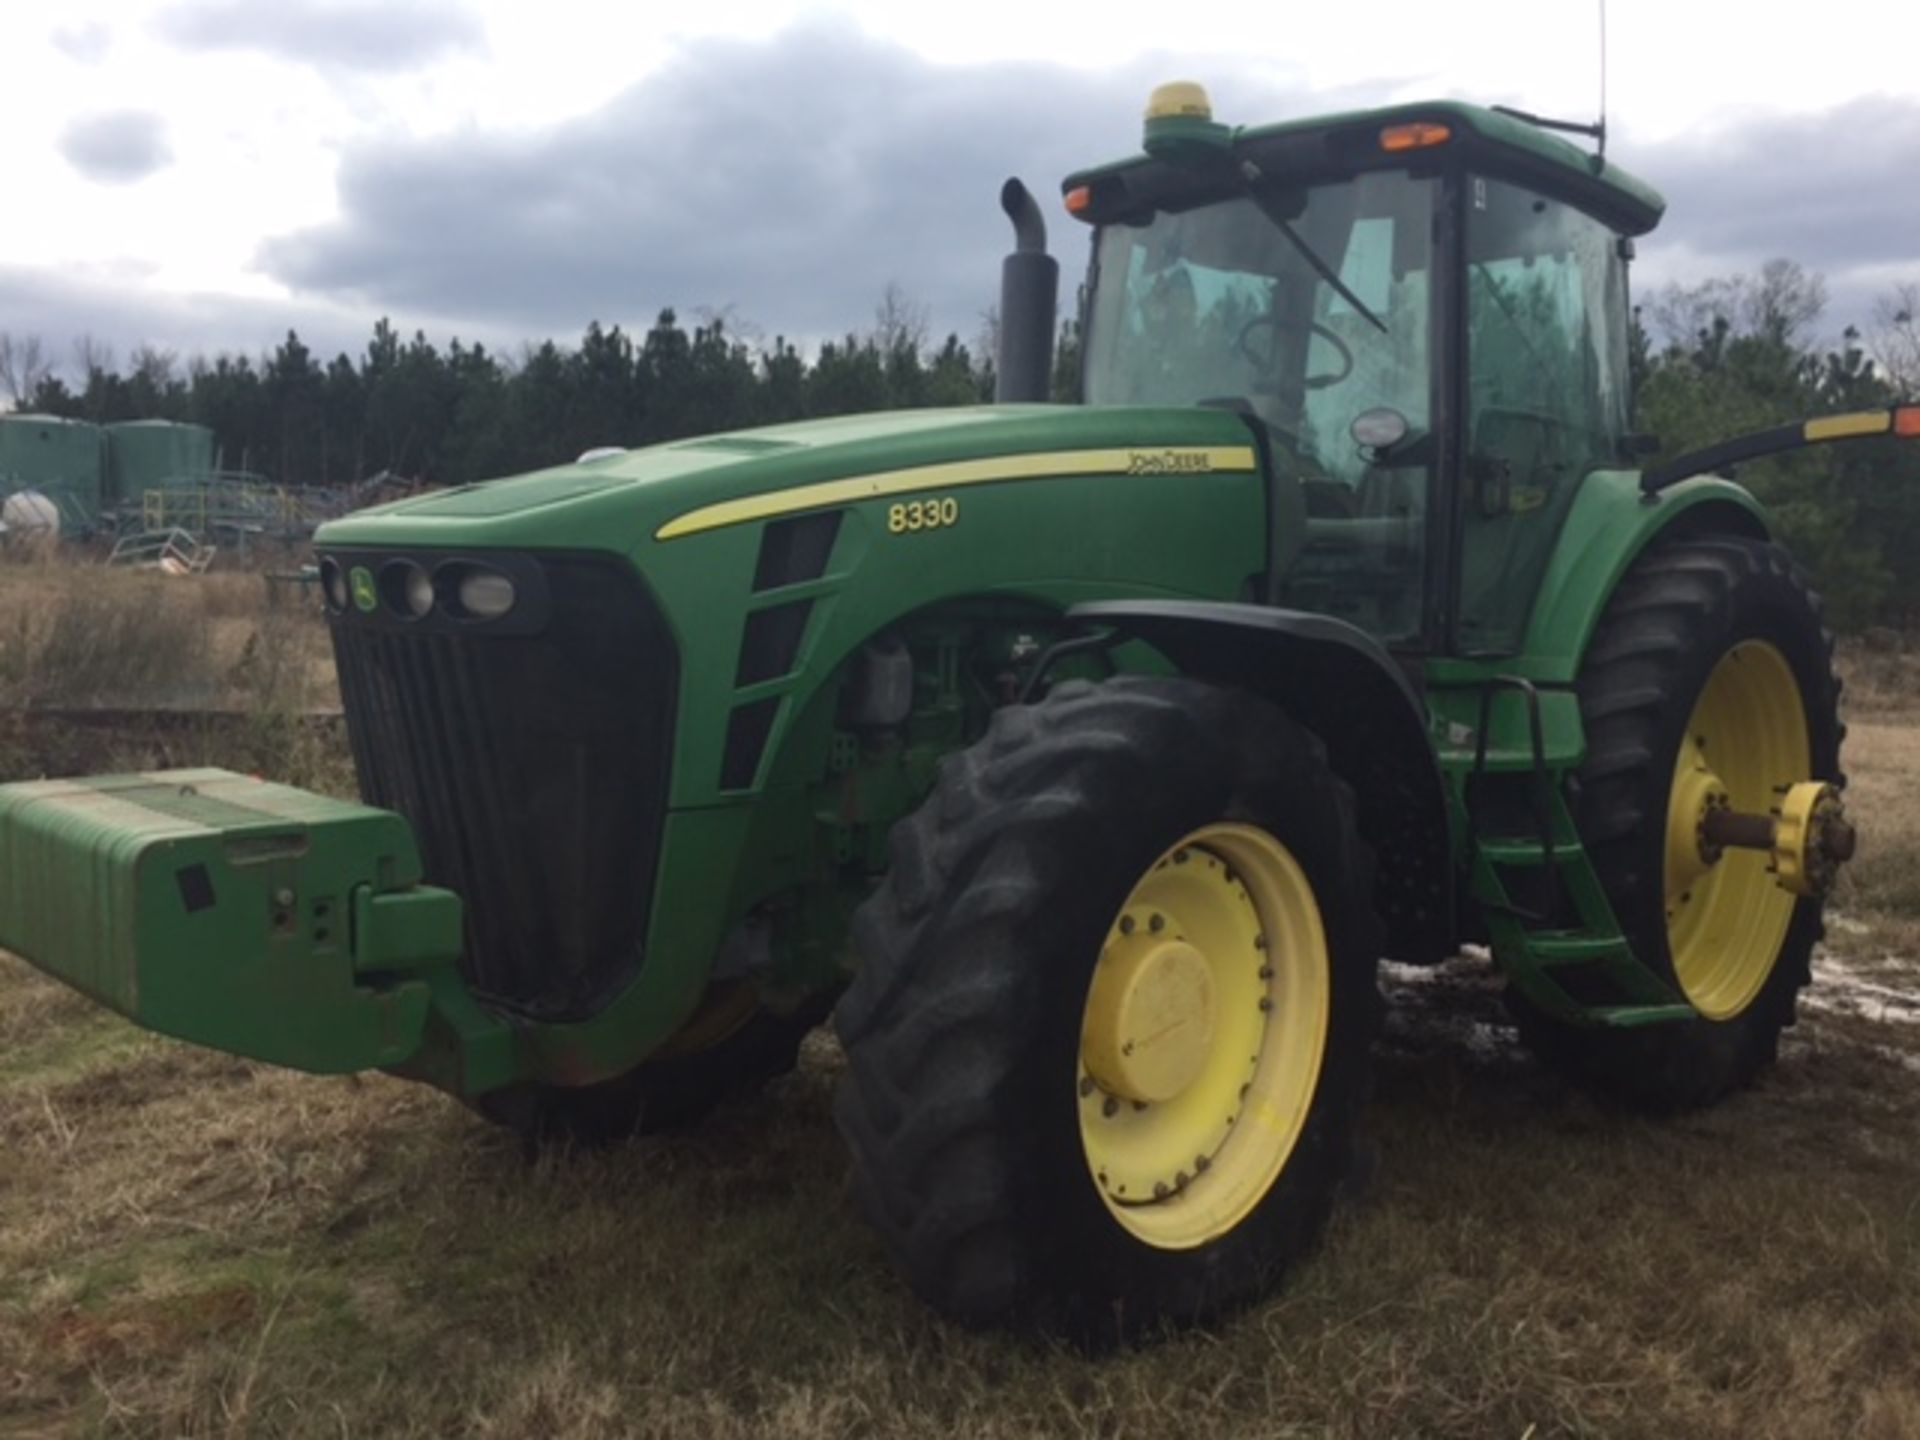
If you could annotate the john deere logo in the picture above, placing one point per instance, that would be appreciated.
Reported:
(364, 595)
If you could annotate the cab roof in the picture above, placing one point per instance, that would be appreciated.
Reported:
(1324, 145)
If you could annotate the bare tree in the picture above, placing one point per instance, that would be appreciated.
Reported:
(23, 365)
(1783, 302)
(154, 366)
(1895, 338)
(727, 317)
(986, 343)
(899, 323)
(91, 357)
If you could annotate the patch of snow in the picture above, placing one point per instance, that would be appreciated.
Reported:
(1839, 989)
(1453, 1006)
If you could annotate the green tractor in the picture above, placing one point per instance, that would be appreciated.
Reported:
(1081, 761)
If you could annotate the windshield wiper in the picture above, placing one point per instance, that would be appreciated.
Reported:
(1256, 181)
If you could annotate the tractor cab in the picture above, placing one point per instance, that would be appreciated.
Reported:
(1423, 312)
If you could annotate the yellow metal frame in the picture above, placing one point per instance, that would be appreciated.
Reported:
(1203, 1036)
(1746, 746)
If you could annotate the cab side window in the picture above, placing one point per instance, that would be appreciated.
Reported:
(1547, 392)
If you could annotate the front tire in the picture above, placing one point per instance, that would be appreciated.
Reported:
(1032, 1146)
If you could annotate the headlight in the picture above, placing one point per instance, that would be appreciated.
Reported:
(333, 584)
(408, 588)
(419, 591)
(484, 594)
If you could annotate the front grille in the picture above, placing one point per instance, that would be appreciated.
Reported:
(533, 768)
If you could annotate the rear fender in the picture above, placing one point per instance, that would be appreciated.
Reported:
(1343, 685)
(1612, 522)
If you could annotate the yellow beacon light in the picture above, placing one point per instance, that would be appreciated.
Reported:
(1179, 98)
(1180, 124)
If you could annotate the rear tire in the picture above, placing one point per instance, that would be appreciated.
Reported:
(1669, 630)
(966, 1097)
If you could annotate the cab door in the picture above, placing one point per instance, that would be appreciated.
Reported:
(1546, 320)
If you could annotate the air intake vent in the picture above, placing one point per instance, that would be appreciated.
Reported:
(747, 731)
(771, 642)
(796, 550)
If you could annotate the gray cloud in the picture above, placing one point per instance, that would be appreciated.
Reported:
(118, 147)
(790, 180)
(1834, 191)
(87, 43)
(354, 35)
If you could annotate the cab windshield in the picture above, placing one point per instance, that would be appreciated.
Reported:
(1220, 305)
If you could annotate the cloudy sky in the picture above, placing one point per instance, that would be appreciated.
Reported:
(201, 174)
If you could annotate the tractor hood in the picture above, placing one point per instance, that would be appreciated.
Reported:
(622, 500)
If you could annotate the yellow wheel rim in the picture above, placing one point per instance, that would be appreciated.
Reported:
(1202, 1036)
(1746, 743)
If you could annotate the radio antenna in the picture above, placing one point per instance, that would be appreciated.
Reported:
(1598, 129)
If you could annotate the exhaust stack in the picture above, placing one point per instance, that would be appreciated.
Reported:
(1029, 286)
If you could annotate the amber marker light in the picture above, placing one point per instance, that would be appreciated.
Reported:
(1078, 199)
(1416, 136)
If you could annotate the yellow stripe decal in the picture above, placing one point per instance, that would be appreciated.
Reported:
(1843, 427)
(1047, 465)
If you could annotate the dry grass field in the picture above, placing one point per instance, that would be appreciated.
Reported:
(192, 1244)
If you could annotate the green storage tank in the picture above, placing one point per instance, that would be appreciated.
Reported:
(145, 455)
(63, 459)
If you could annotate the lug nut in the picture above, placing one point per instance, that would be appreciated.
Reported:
(1111, 1108)
(1157, 924)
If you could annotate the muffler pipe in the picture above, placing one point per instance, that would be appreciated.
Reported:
(1029, 290)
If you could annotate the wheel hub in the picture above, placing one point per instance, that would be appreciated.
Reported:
(1812, 839)
(1697, 794)
(1202, 1034)
(1806, 838)
(1150, 1015)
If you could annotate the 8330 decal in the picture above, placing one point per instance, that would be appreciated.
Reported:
(909, 516)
